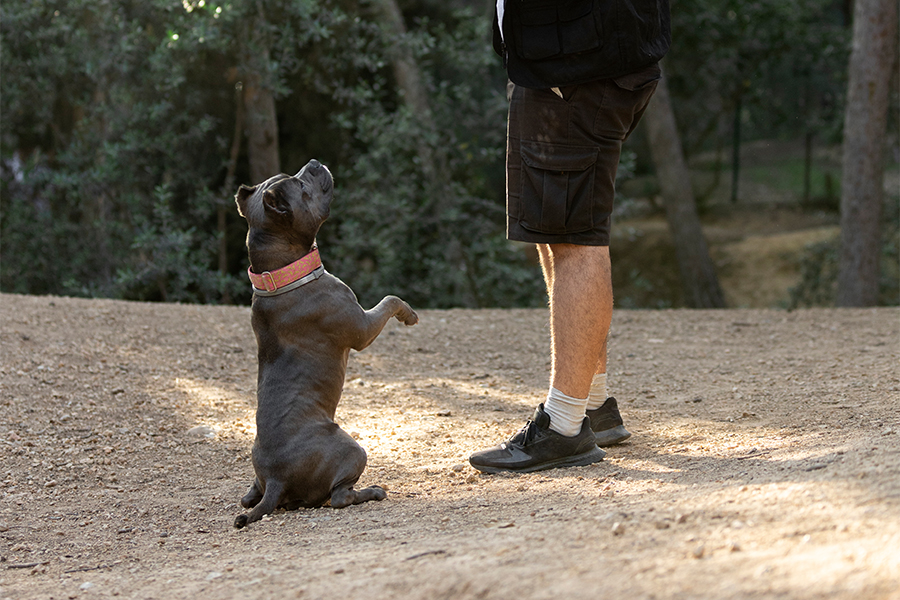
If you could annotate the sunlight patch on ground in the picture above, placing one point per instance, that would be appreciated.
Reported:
(215, 408)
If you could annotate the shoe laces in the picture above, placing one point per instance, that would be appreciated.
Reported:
(525, 435)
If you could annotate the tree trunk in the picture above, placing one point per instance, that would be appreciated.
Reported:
(736, 147)
(406, 71)
(259, 103)
(698, 276)
(262, 130)
(408, 78)
(865, 125)
(226, 202)
(807, 168)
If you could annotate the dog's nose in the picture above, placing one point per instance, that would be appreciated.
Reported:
(314, 166)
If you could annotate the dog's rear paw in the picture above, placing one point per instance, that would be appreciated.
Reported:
(241, 521)
(378, 493)
(411, 319)
(252, 497)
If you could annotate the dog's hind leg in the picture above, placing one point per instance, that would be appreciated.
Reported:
(344, 495)
(253, 495)
(267, 505)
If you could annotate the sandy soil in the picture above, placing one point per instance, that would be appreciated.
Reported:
(765, 461)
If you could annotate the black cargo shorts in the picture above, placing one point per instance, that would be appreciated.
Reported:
(562, 156)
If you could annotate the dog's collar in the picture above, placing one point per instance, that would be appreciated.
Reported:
(285, 279)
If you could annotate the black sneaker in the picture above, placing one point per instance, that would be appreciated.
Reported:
(607, 424)
(537, 447)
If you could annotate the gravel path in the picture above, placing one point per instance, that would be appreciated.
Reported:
(765, 461)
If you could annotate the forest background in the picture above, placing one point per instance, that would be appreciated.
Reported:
(127, 126)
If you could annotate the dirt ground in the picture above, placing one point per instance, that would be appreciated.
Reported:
(765, 461)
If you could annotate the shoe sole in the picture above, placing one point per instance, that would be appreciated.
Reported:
(581, 460)
(610, 437)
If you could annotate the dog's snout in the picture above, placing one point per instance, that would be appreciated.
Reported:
(312, 168)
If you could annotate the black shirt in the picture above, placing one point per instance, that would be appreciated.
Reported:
(553, 43)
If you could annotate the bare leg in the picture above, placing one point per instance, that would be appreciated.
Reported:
(547, 266)
(578, 278)
(580, 289)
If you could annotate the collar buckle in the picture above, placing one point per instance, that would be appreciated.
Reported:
(268, 280)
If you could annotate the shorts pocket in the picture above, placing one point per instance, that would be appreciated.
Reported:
(549, 28)
(557, 187)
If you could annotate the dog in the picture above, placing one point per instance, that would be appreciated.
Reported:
(305, 321)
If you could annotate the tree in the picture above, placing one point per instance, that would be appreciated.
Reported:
(259, 99)
(755, 69)
(698, 275)
(865, 125)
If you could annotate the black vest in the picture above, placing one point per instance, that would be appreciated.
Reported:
(553, 43)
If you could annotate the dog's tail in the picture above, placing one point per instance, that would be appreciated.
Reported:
(267, 505)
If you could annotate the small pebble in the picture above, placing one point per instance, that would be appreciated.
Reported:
(618, 528)
(457, 468)
(86, 585)
(698, 551)
(201, 431)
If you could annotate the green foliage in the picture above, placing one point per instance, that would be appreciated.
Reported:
(420, 211)
(785, 62)
(119, 117)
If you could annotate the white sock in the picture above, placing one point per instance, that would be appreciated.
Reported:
(566, 413)
(598, 393)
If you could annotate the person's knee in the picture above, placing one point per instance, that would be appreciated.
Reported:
(567, 252)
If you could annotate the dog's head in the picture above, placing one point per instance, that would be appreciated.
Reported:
(289, 209)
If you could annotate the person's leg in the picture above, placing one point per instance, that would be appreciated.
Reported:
(602, 410)
(559, 434)
(570, 223)
(547, 268)
(580, 290)
(580, 314)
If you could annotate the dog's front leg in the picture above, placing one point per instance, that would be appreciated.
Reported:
(374, 320)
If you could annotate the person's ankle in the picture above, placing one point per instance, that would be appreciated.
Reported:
(598, 393)
(566, 413)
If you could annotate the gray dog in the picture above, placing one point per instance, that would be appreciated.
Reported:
(305, 321)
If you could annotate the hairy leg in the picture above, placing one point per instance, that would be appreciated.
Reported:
(547, 268)
(580, 288)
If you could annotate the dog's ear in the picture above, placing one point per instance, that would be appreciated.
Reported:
(240, 198)
(276, 204)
